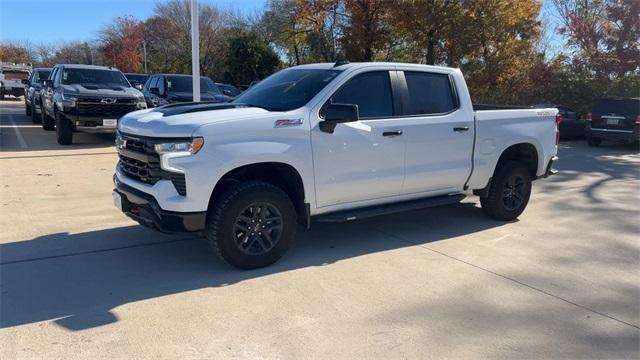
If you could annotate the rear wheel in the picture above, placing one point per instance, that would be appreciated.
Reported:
(251, 225)
(64, 130)
(47, 122)
(509, 192)
(593, 141)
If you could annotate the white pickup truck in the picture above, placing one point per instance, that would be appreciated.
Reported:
(325, 142)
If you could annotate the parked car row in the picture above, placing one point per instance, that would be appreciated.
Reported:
(69, 98)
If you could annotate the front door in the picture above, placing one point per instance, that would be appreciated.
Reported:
(362, 160)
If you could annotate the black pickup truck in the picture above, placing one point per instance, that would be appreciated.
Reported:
(86, 98)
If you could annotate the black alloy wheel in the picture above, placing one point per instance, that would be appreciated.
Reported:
(258, 228)
(513, 193)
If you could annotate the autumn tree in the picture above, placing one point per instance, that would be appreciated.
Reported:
(16, 53)
(250, 58)
(366, 31)
(122, 44)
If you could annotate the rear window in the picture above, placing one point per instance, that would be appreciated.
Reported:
(15, 74)
(627, 107)
(429, 93)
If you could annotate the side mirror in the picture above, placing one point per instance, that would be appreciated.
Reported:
(138, 86)
(25, 81)
(335, 114)
(227, 92)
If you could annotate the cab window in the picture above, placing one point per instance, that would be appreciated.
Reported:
(371, 91)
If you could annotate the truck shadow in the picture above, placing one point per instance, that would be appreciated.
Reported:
(80, 290)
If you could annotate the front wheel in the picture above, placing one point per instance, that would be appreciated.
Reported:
(509, 192)
(64, 130)
(47, 122)
(251, 225)
(27, 109)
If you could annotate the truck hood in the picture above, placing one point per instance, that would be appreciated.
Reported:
(162, 122)
(100, 91)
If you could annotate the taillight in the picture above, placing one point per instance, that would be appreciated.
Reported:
(589, 117)
(638, 120)
(558, 121)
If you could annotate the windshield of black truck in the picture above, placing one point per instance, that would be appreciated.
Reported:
(288, 89)
(43, 74)
(93, 78)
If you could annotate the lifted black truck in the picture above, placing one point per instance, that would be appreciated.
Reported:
(86, 98)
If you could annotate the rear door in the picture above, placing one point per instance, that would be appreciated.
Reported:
(439, 134)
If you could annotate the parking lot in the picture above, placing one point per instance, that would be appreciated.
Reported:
(80, 280)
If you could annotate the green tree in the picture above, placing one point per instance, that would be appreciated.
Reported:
(250, 58)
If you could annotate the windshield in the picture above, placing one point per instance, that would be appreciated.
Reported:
(287, 89)
(137, 78)
(185, 84)
(43, 75)
(93, 77)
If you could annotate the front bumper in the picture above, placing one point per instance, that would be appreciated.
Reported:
(144, 209)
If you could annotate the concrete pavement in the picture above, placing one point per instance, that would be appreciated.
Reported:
(80, 280)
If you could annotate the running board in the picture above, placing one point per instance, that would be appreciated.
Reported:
(371, 211)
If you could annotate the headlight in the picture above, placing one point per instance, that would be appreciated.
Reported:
(69, 101)
(186, 147)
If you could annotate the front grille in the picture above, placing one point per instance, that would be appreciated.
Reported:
(115, 110)
(139, 161)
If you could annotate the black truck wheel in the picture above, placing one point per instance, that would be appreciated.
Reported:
(64, 130)
(47, 122)
(251, 224)
(509, 192)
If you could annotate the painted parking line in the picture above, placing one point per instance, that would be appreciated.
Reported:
(23, 144)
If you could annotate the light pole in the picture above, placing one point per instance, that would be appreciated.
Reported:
(195, 50)
(144, 52)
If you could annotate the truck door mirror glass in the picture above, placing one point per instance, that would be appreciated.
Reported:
(335, 114)
(47, 83)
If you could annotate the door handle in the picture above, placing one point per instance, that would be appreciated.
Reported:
(392, 133)
(461, 128)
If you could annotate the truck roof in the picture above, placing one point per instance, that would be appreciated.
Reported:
(83, 66)
(345, 66)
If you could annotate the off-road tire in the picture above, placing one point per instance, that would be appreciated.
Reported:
(64, 130)
(47, 122)
(494, 204)
(223, 215)
(593, 141)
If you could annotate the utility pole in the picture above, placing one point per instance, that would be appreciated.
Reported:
(195, 50)
(144, 52)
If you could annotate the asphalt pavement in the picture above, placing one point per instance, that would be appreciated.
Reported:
(80, 280)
